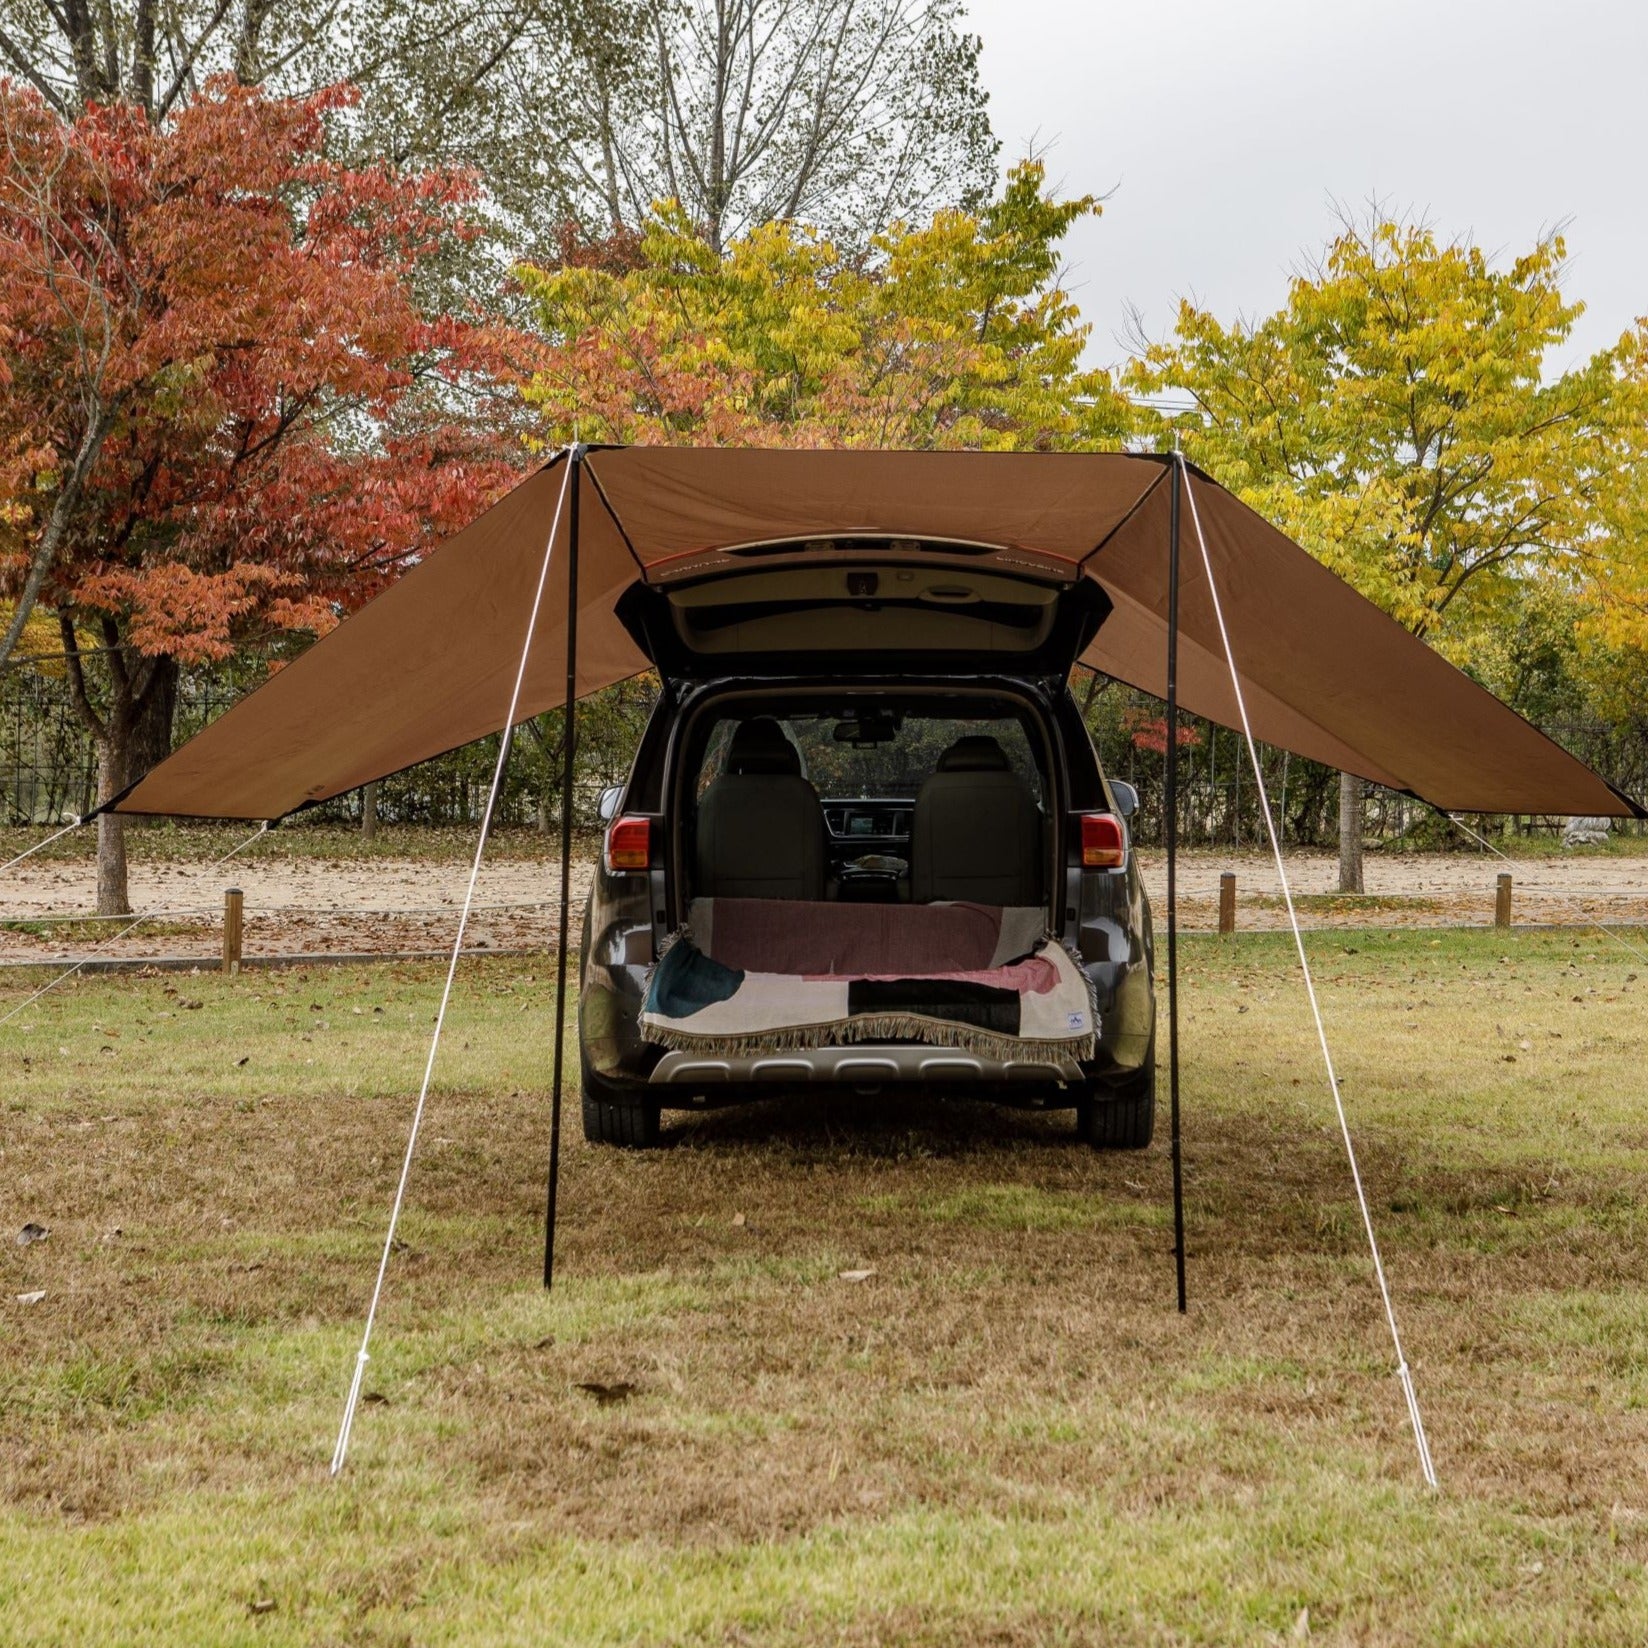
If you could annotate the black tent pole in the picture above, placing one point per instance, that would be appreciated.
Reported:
(1171, 808)
(569, 749)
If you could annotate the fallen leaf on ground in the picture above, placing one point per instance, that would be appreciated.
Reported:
(31, 1298)
(738, 1218)
(263, 1605)
(855, 1275)
(607, 1395)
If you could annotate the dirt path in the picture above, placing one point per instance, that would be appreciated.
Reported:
(293, 905)
(301, 904)
(1411, 890)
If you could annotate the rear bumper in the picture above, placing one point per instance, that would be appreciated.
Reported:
(864, 1064)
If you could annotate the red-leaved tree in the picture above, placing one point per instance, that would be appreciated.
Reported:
(225, 409)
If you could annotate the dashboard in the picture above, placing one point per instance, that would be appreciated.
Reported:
(868, 821)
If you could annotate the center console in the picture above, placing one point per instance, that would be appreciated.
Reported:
(868, 840)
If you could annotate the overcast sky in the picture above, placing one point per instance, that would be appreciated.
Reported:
(1223, 131)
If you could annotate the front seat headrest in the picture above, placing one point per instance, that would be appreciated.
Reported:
(978, 752)
(759, 746)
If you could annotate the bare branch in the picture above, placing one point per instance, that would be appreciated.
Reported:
(57, 527)
(21, 63)
(184, 77)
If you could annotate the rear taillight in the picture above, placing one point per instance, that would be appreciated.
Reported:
(629, 844)
(1104, 845)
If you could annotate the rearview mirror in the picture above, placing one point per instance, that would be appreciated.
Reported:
(607, 806)
(1125, 797)
(867, 729)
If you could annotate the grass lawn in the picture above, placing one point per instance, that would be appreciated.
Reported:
(1005, 1435)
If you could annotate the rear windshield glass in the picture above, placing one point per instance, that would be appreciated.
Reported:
(874, 750)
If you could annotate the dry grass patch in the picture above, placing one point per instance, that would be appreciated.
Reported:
(1003, 1435)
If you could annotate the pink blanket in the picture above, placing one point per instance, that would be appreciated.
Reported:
(764, 935)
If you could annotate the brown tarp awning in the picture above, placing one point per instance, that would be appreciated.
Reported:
(430, 664)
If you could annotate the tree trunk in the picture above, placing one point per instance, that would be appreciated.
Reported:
(152, 736)
(1350, 833)
(113, 764)
(369, 812)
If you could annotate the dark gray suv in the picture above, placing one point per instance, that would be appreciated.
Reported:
(864, 745)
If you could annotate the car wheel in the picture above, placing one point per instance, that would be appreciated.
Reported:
(1120, 1115)
(615, 1115)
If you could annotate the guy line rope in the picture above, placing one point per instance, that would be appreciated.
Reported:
(352, 1403)
(1402, 1372)
(1595, 926)
(136, 921)
(73, 824)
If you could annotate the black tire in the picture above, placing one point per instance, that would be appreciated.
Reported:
(1120, 1115)
(613, 1115)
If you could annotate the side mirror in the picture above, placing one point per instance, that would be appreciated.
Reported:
(1125, 797)
(607, 806)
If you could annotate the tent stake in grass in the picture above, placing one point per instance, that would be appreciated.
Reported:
(352, 1402)
(1171, 808)
(569, 748)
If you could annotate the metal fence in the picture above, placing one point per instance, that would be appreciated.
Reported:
(48, 766)
(48, 758)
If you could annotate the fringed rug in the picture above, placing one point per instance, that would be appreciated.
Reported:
(755, 976)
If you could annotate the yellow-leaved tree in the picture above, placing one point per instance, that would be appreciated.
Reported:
(1400, 416)
(1611, 633)
(950, 333)
(953, 332)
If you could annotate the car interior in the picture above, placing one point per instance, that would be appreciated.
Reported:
(870, 800)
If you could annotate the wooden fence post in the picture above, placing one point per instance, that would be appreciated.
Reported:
(1227, 902)
(233, 923)
(1502, 900)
